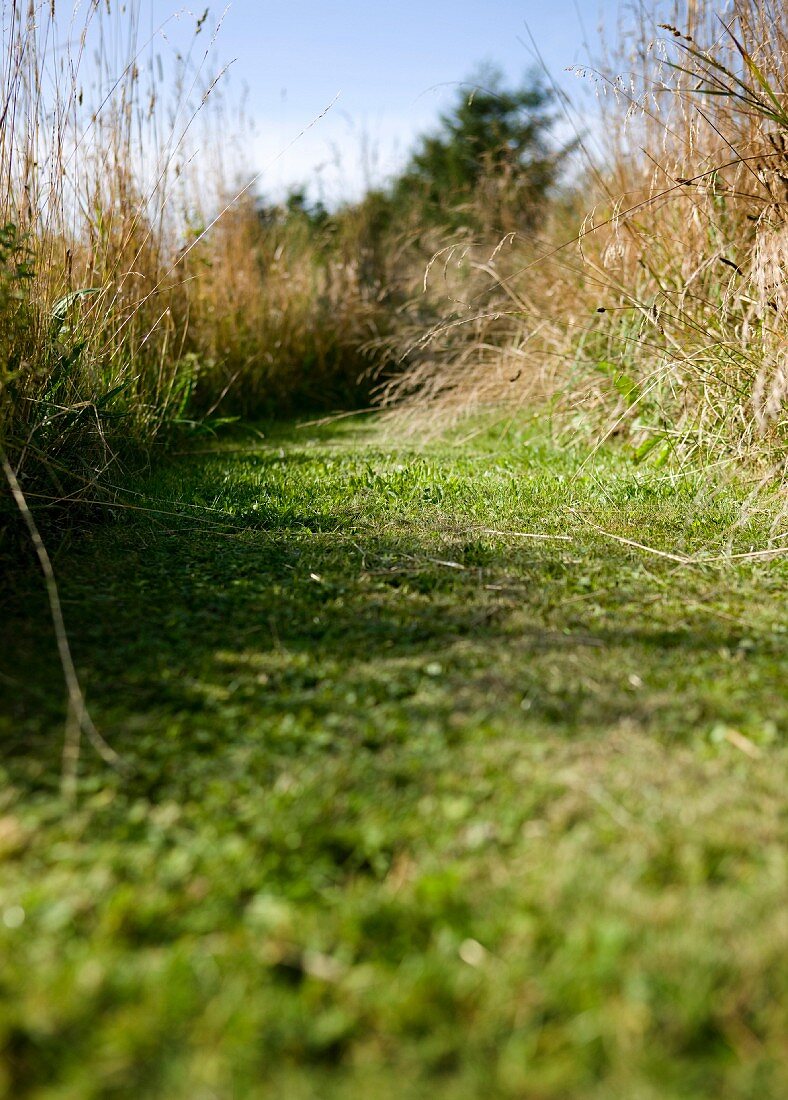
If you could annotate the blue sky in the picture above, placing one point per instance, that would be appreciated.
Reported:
(394, 67)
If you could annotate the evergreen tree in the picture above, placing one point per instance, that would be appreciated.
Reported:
(491, 158)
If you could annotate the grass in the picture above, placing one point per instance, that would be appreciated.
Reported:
(648, 299)
(436, 783)
(147, 287)
(414, 809)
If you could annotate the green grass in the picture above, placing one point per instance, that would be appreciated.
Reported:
(396, 828)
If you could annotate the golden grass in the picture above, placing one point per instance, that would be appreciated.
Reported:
(140, 289)
(91, 147)
(650, 302)
(658, 305)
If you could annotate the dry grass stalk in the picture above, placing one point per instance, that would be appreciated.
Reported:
(662, 311)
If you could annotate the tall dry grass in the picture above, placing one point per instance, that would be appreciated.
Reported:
(286, 310)
(139, 295)
(654, 300)
(141, 290)
(94, 135)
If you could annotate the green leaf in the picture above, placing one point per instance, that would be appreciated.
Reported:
(626, 385)
(644, 450)
(756, 72)
(63, 305)
(102, 402)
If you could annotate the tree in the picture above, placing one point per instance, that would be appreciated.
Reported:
(492, 158)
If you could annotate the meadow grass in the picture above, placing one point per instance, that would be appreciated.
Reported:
(650, 297)
(415, 805)
(143, 293)
(449, 768)
(146, 287)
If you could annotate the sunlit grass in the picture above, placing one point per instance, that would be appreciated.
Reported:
(415, 807)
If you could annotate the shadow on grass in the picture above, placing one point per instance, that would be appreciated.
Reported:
(285, 622)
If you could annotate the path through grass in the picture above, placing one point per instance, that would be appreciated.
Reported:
(416, 809)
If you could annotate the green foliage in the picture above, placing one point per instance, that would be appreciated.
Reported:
(62, 307)
(750, 91)
(17, 316)
(297, 208)
(494, 141)
(417, 807)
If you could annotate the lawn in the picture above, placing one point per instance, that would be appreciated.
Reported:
(415, 802)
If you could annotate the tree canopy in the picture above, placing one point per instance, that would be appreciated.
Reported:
(495, 144)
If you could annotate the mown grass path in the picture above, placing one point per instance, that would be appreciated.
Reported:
(416, 808)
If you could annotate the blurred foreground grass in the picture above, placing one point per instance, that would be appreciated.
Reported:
(417, 809)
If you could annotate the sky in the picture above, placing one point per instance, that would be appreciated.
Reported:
(386, 69)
